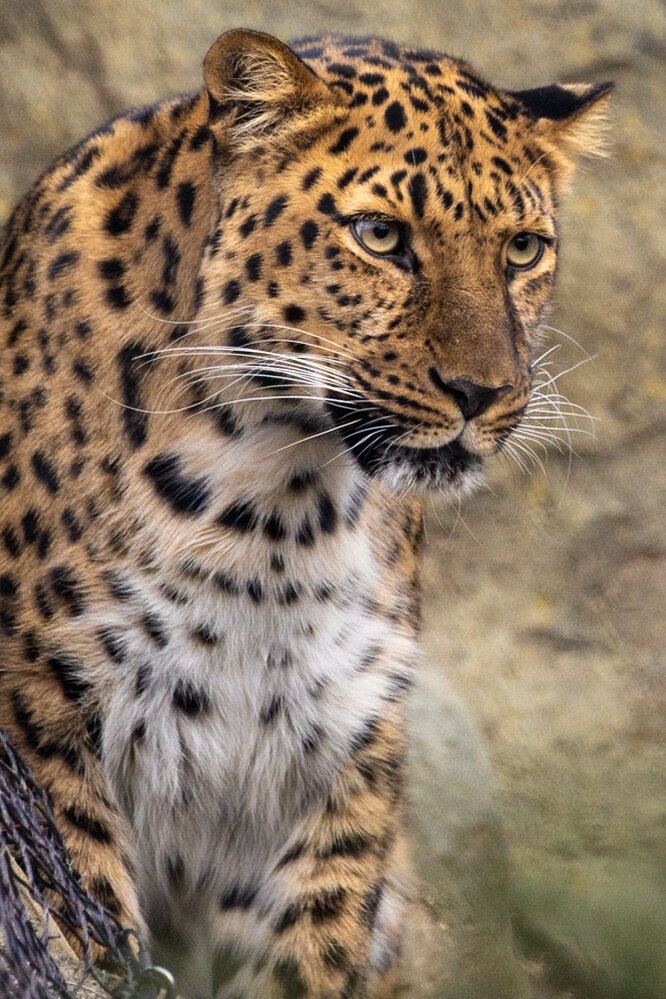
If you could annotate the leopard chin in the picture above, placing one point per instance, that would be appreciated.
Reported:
(451, 468)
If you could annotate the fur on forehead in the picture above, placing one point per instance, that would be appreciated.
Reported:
(262, 90)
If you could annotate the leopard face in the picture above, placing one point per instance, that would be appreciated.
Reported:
(403, 232)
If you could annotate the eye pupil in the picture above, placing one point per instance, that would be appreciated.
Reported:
(381, 230)
(522, 242)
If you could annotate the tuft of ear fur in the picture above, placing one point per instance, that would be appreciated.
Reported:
(574, 116)
(258, 88)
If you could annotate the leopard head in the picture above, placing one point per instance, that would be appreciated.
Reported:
(389, 224)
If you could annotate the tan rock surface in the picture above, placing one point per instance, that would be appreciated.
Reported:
(539, 785)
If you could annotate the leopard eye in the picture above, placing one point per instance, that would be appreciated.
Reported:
(378, 235)
(524, 250)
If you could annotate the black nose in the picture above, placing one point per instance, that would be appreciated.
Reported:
(473, 399)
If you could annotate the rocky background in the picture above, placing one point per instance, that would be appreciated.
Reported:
(539, 731)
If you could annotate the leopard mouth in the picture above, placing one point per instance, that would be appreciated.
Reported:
(374, 441)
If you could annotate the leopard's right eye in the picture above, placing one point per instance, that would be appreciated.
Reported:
(378, 236)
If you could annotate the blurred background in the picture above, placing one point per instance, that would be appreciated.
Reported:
(538, 801)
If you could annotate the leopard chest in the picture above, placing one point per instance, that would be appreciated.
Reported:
(219, 740)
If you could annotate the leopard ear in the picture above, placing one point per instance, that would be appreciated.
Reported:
(572, 115)
(258, 88)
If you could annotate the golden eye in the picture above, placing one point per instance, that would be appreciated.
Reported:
(524, 250)
(378, 236)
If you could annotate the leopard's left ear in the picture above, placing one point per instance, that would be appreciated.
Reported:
(572, 115)
(258, 88)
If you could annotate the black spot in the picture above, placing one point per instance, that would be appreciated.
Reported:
(85, 823)
(394, 116)
(113, 644)
(498, 127)
(380, 96)
(42, 602)
(45, 472)
(283, 253)
(171, 255)
(120, 218)
(326, 205)
(189, 699)
(334, 955)
(186, 496)
(418, 192)
(305, 534)
(230, 292)
(372, 79)
(238, 897)
(58, 224)
(143, 678)
(366, 736)
(163, 175)
(154, 628)
(139, 731)
(293, 313)
(289, 918)
(118, 297)
(248, 226)
(289, 594)
(111, 269)
(151, 232)
(311, 178)
(370, 904)
(274, 527)
(344, 141)
(347, 844)
(21, 364)
(81, 370)
(135, 423)
(327, 513)
(83, 329)
(271, 710)
(347, 178)
(224, 582)
(503, 165)
(415, 156)
(71, 525)
(69, 674)
(327, 905)
(200, 137)
(277, 562)
(61, 264)
(119, 587)
(205, 635)
(185, 198)
(275, 209)
(309, 232)
(66, 585)
(255, 591)
(8, 585)
(253, 267)
(342, 69)
(312, 740)
(240, 515)
(5, 444)
(11, 478)
(292, 854)
(301, 480)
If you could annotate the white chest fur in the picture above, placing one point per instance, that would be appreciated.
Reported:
(219, 739)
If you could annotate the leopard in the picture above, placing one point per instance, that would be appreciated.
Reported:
(245, 331)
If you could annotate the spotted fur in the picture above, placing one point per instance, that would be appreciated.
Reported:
(217, 408)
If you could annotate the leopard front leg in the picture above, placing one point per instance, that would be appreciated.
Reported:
(334, 900)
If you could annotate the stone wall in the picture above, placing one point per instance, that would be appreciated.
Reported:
(539, 776)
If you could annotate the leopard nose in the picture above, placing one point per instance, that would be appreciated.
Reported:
(472, 399)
